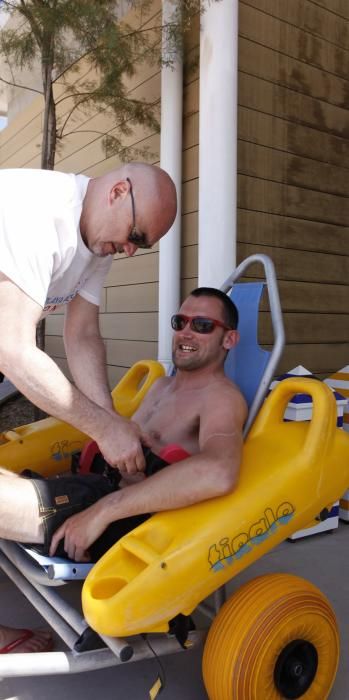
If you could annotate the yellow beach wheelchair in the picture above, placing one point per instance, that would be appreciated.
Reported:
(277, 636)
(48, 445)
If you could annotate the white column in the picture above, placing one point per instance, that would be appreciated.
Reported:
(171, 161)
(218, 142)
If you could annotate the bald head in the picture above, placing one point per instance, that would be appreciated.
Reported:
(133, 206)
(154, 193)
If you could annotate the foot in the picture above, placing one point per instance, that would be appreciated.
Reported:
(22, 641)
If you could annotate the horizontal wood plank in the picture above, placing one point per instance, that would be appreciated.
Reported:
(269, 130)
(115, 374)
(315, 298)
(301, 266)
(54, 346)
(314, 328)
(324, 359)
(54, 324)
(190, 262)
(187, 286)
(338, 7)
(278, 166)
(303, 297)
(316, 18)
(150, 144)
(270, 65)
(122, 352)
(260, 93)
(191, 131)
(262, 195)
(138, 269)
(131, 326)
(131, 298)
(258, 227)
(190, 163)
(191, 98)
(190, 196)
(291, 40)
(190, 228)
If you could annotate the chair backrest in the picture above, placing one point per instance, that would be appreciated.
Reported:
(248, 365)
(246, 362)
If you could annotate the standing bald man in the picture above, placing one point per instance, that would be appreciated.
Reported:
(58, 235)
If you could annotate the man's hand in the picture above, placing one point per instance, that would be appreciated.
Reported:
(79, 532)
(120, 442)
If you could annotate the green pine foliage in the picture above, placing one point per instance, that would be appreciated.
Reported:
(59, 34)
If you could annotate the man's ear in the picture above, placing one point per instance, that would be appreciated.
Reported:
(119, 189)
(231, 339)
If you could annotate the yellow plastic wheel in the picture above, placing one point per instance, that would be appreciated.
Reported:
(275, 638)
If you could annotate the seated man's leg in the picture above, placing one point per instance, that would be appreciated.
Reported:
(44, 504)
(32, 509)
(19, 513)
(58, 498)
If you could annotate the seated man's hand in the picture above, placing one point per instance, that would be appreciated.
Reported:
(130, 479)
(121, 445)
(79, 532)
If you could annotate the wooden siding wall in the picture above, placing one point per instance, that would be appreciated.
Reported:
(292, 183)
(293, 167)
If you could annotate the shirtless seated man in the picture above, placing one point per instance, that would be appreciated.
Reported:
(197, 408)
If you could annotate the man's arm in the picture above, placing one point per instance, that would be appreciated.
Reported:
(86, 352)
(41, 381)
(212, 472)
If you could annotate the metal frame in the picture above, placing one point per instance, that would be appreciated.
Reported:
(70, 625)
(277, 322)
(39, 589)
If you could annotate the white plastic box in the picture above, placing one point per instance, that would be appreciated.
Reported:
(340, 382)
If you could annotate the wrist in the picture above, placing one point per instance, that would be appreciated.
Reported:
(108, 508)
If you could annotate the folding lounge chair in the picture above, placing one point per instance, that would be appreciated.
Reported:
(252, 368)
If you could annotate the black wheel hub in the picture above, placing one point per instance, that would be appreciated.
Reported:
(296, 668)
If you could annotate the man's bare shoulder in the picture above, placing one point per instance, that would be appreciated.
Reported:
(223, 395)
(223, 385)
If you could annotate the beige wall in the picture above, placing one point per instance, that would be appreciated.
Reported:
(292, 183)
(293, 167)
(293, 160)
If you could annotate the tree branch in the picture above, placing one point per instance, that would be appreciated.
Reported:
(24, 87)
(87, 131)
(69, 115)
(75, 94)
(94, 48)
(126, 99)
(84, 131)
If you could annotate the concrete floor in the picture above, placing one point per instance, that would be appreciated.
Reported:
(323, 559)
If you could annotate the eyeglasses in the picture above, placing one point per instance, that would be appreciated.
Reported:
(198, 324)
(139, 239)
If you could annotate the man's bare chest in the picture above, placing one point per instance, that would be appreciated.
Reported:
(173, 418)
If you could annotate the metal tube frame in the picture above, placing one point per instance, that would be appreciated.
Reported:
(277, 323)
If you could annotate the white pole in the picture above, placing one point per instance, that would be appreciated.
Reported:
(218, 142)
(171, 161)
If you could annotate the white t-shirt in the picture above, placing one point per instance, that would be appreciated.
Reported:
(41, 249)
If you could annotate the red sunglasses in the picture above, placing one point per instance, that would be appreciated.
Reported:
(198, 324)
